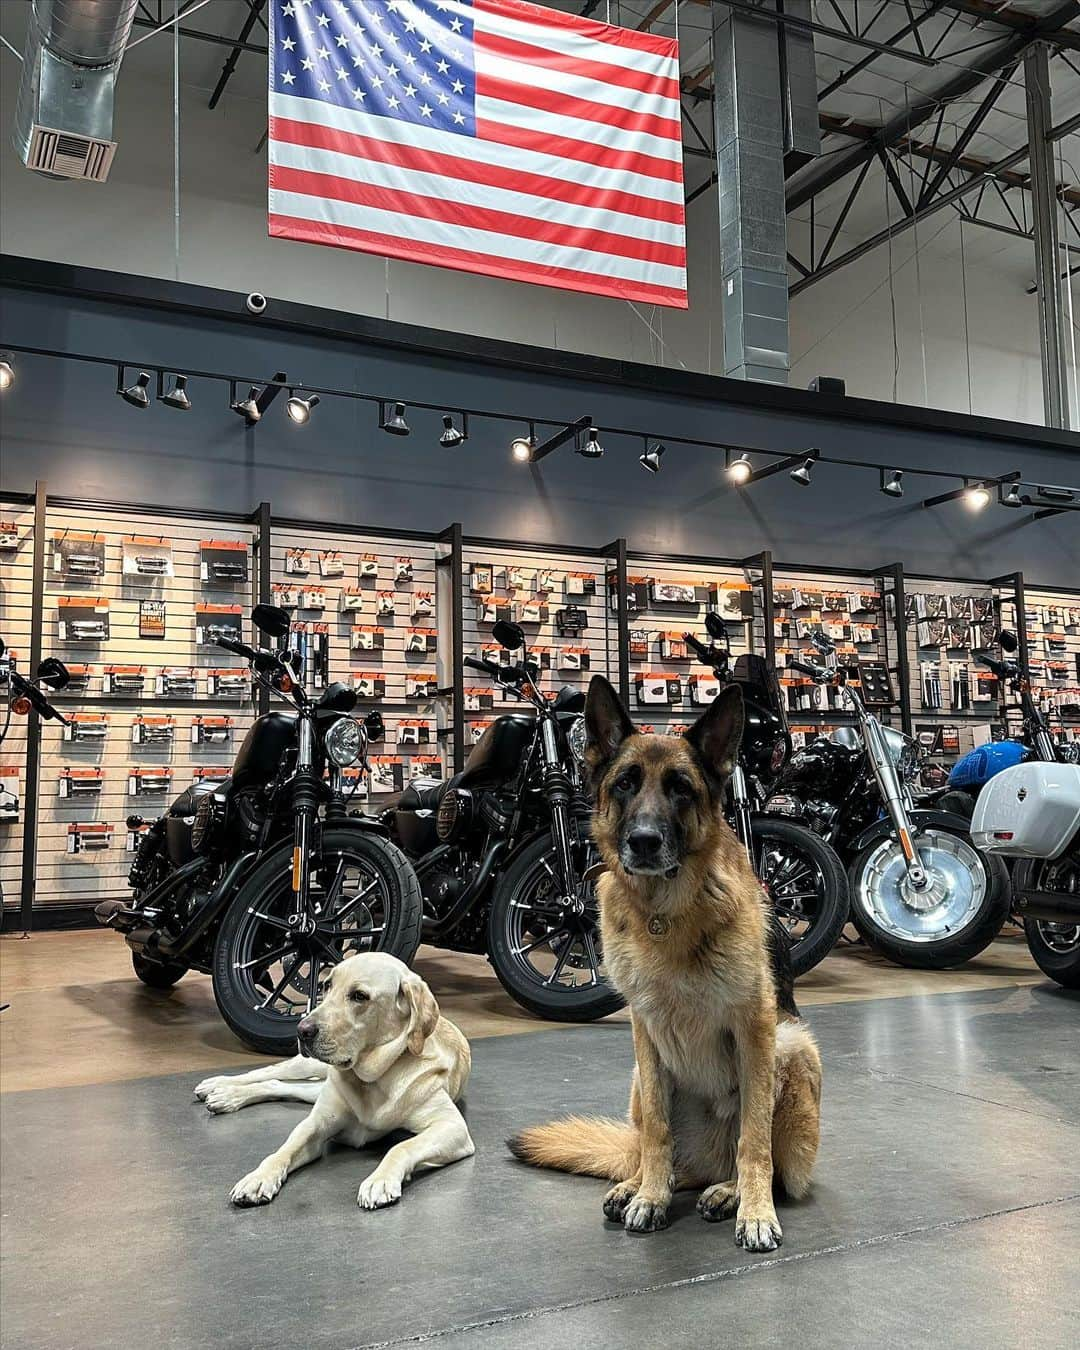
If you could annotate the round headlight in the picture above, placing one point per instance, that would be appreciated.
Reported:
(345, 742)
(576, 737)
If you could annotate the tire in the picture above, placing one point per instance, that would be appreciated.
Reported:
(157, 974)
(1055, 947)
(910, 941)
(829, 912)
(555, 1001)
(380, 865)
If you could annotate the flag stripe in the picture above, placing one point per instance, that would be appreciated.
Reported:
(573, 36)
(603, 73)
(512, 125)
(391, 245)
(286, 133)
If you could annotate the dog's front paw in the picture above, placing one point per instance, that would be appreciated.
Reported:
(617, 1200)
(645, 1216)
(378, 1192)
(760, 1232)
(258, 1187)
(203, 1089)
(224, 1097)
(718, 1202)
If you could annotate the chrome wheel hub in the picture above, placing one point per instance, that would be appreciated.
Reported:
(950, 899)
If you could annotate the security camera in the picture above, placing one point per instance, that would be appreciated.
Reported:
(256, 303)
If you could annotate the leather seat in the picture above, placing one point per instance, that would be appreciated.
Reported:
(423, 794)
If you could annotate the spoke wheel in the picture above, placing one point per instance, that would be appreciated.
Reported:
(806, 885)
(1055, 947)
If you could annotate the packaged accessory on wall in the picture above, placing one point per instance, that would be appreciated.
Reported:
(673, 647)
(149, 780)
(369, 684)
(531, 611)
(983, 635)
(177, 682)
(672, 593)
(130, 680)
(369, 567)
(312, 643)
(387, 773)
(982, 608)
(547, 580)
(862, 602)
(657, 689)
(421, 686)
(211, 730)
(877, 690)
(285, 594)
(425, 766)
(136, 829)
(984, 689)
(932, 632)
(297, 562)
(783, 597)
(930, 681)
(476, 730)
(331, 563)
(1056, 644)
(86, 728)
(932, 606)
(212, 773)
(958, 633)
(366, 638)
(92, 837)
(143, 556)
(78, 678)
(580, 583)
(227, 683)
(384, 604)
(835, 602)
(950, 740)
(929, 738)
(350, 600)
(152, 619)
(312, 597)
(403, 570)
(82, 618)
(960, 607)
(423, 605)
(639, 644)
(541, 655)
(862, 633)
(215, 622)
(571, 620)
(224, 562)
(480, 578)
(732, 602)
(805, 597)
(703, 689)
(80, 783)
(414, 731)
(77, 555)
(519, 579)
(478, 700)
(420, 640)
(494, 610)
(960, 684)
(153, 730)
(9, 794)
(839, 632)
(574, 658)
(9, 536)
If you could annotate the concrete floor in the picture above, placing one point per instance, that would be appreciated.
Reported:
(946, 1210)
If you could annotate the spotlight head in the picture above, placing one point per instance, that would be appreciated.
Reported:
(976, 497)
(7, 373)
(450, 435)
(136, 394)
(521, 448)
(177, 397)
(1012, 497)
(801, 474)
(248, 408)
(395, 424)
(893, 485)
(592, 449)
(650, 460)
(739, 470)
(299, 409)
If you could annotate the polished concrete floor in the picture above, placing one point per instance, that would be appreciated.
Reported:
(946, 1210)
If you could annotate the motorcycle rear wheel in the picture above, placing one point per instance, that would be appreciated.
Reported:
(1054, 947)
(807, 885)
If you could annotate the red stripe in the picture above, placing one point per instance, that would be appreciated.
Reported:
(601, 71)
(616, 38)
(317, 137)
(324, 185)
(588, 151)
(392, 246)
(606, 114)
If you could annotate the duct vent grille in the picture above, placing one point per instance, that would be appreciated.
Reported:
(70, 156)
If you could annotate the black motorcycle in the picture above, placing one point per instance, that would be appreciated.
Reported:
(265, 880)
(801, 873)
(502, 849)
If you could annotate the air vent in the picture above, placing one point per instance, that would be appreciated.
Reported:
(68, 156)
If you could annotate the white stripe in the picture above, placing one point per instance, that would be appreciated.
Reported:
(440, 188)
(578, 86)
(575, 46)
(467, 147)
(576, 129)
(485, 243)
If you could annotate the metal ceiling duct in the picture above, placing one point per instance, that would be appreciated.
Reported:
(64, 114)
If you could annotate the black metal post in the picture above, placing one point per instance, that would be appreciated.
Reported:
(33, 723)
(618, 551)
(900, 623)
(763, 562)
(264, 525)
(1021, 618)
(453, 561)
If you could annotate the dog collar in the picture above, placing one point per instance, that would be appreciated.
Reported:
(658, 926)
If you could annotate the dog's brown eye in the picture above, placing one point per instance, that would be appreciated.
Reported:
(358, 996)
(626, 782)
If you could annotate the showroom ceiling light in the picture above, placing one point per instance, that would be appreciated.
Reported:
(522, 447)
(892, 482)
(248, 408)
(572, 431)
(7, 373)
(177, 396)
(395, 424)
(1012, 497)
(299, 409)
(801, 474)
(975, 492)
(259, 397)
(650, 460)
(798, 466)
(740, 470)
(451, 436)
(135, 394)
(591, 449)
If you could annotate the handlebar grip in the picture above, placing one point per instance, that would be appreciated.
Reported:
(237, 648)
(805, 667)
(478, 663)
(696, 645)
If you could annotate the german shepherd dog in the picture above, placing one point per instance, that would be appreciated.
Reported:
(727, 1083)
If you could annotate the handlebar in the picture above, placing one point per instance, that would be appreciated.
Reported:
(807, 669)
(482, 664)
(237, 648)
(705, 654)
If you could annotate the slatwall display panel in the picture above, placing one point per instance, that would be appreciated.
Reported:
(530, 587)
(356, 578)
(955, 702)
(850, 610)
(1053, 634)
(16, 593)
(669, 687)
(83, 841)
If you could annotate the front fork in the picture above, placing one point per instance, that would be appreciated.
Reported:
(896, 800)
(740, 802)
(560, 794)
(306, 810)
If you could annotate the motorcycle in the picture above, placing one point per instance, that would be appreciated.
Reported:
(502, 849)
(804, 878)
(265, 880)
(921, 893)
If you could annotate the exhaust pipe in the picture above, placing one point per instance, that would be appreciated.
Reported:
(64, 114)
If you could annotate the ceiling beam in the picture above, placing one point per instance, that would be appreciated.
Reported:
(1014, 19)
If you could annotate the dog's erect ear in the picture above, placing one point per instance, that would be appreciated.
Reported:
(716, 734)
(423, 1012)
(607, 723)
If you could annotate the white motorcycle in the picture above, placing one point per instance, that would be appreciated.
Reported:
(1032, 813)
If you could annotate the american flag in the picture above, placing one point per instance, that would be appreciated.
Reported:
(491, 136)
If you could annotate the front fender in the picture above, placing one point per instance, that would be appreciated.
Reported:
(880, 829)
(369, 824)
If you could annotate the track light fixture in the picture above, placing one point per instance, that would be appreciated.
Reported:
(801, 475)
(395, 424)
(798, 467)
(299, 409)
(893, 484)
(650, 460)
(740, 470)
(975, 493)
(248, 408)
(592, 449)
(135, 394)
(976, 497)
(1012, 497)
(177, 397)
(572, 431)
(522, 447)
(7, 373)
(450, 434)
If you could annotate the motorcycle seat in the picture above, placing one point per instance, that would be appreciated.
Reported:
(423, 794)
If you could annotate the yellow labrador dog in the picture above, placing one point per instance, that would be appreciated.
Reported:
(375, 1056)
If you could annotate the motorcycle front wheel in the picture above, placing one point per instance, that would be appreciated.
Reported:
(266, 974)
(956, 916)
(807, 885)
(1055, 947)
(548, 958)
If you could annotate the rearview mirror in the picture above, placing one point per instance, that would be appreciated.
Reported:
(509, 635)
(53, 673)
(374, 725)
(270, 620)
(1008, 641)
(715, 625)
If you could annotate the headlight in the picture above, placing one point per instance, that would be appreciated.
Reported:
(345, 742)
(576, 737)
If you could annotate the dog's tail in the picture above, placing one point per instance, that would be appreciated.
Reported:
(591, 1145)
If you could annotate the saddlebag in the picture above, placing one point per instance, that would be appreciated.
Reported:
(1031, 811)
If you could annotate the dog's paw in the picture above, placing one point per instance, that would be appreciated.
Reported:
(225, 1097)
(203, 1089)
(645, 1216)
(378, 1192)
(718, 1202)
(258, 1187)
(617, 1200)
(758, 1232)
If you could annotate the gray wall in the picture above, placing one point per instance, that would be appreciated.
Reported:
(62, 422)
